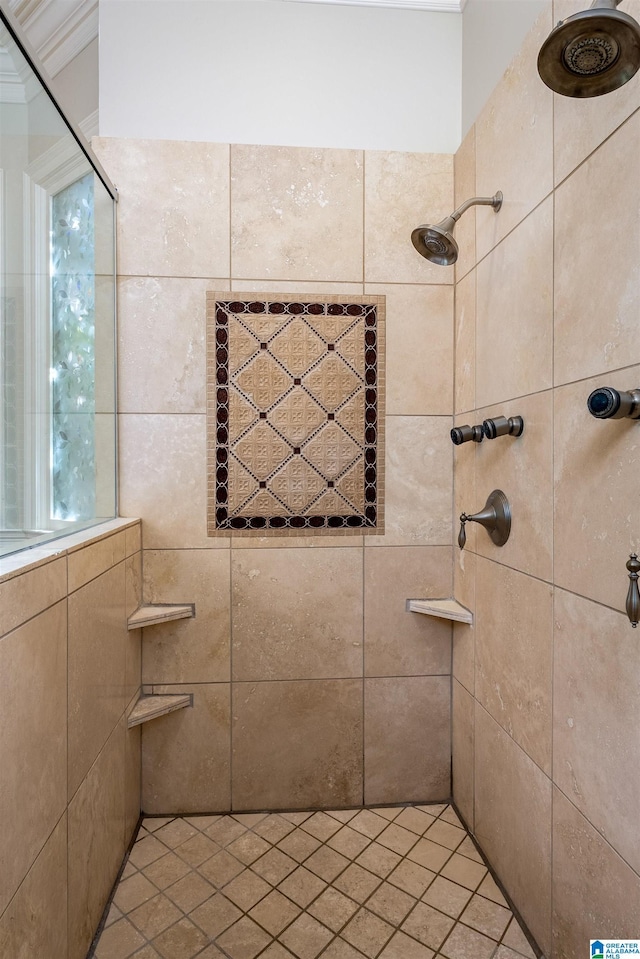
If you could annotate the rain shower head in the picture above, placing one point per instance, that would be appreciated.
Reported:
(592, 52)
(436, 242)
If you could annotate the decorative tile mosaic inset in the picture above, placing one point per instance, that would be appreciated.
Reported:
(295, 414)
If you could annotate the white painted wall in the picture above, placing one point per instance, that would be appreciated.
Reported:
(492, 34)
(273, 72)
(77, 84)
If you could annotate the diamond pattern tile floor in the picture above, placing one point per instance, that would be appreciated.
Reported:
(404, 882)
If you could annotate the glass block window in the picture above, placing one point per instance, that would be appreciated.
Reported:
(73, 352)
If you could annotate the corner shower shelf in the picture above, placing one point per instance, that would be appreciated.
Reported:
(442, 609)
(150, 613)
(150, 707)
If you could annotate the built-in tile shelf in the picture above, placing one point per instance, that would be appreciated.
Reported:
(149, 614)
(442, 608)
(150, 707)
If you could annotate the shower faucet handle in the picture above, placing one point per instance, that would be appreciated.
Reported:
(462, 535)
(633, 595)
(463, 434)
(501, 426)
(495, 517)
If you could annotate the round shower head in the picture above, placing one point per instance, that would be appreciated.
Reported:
(436, 242)
(590, 53)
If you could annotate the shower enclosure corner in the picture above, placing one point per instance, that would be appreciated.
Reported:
(57, 313)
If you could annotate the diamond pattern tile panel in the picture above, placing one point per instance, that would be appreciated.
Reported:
(295, 414)
(310, 885)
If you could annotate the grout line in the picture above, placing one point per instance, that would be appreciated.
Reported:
(231, 679)
(311, 679)
(553, 506)
(554, 586)
(358, 905)
(383, 425)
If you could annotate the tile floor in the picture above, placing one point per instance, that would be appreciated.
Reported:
(388, 883)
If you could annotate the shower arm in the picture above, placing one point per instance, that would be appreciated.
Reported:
(607, 4)
(494, 201)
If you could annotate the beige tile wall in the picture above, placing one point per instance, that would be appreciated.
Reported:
(545, 705)
(70, 784)
(286, 630)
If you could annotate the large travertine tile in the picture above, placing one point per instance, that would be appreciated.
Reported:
(465, 344)
(419, 348)
(296, 213)
(297, 615)
(514, 319)
(596, 718)
(464, 634)
(133, 538)
(593, 888)
(464, 172)
(163, 477)
(514, 651)
(188, 650)
(25, 595)
(169, 312)
(185, 754)
(88, 562)
(407, 747)
(597, 268)
(418, 477)
(33, 741)
(580, 125)
(597, 514)
(402, 191)
(132, 775)
(513, 823)
(523, 468)
(98, 641)
(133, 598)
(96, 841)
(287, 753)
(35, 922)
(105, 434)
(297, 542)
(514, 143)
(133, 644)
(173, 209)
(399, 643)
(300, 286)
(104, 380)
(462, 749)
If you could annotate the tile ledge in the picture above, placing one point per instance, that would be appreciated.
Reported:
(15, 564)
(442, 609)
(159, 704)
(150, 613)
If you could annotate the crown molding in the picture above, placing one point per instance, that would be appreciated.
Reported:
(58, 31)
(434, 6)
(90, 126)
(16, 85)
